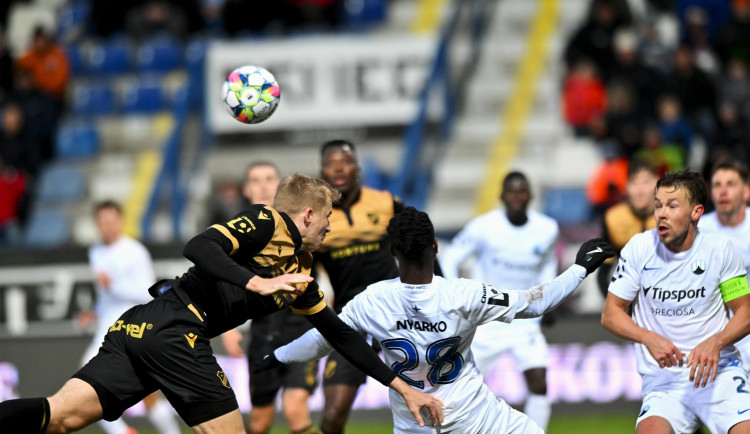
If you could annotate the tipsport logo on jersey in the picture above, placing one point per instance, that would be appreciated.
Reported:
(676, 295)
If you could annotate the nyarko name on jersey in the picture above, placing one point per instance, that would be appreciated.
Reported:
(674, 294)
(422, 326)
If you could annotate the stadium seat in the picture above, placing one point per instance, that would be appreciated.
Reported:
(93, 99)
(567, 205)
(159, 55)
(74, 53)
(109, 58)
(76, 140)
(47, 228)
(365, 13)
(60, 183)
(143, 96)
(72, 20)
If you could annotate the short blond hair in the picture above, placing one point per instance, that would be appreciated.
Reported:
(297, 192)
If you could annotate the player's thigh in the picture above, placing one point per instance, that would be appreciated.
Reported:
(490, 341)
(73, 407)
(301, 376)
(338, 371)
(265, 385)
(660, 407)
(175, 353)
(740, 428)
(725, 403)
(118, 383)
(229, 423)
(530, 349)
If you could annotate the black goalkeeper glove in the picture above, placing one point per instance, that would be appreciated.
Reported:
(593, 253)
(268, 362)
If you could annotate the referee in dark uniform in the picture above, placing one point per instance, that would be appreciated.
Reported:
(253, 265)
(355, 254)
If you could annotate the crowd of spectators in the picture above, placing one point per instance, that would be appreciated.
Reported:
(650, 84)
(32, 95)
(33, 83)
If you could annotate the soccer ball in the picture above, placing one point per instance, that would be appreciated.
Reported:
(250, 94)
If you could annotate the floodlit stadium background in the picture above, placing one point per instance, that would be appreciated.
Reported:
(441, 97)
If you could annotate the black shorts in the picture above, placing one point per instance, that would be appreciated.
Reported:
(160, 345)
(264, 338)
(338, 370)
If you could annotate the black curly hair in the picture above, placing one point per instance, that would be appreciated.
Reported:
(411, 233)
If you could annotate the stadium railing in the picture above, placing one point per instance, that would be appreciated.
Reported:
(421, 150)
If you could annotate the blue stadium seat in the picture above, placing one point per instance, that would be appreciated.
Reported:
(159, 55)
(93, 99)
(110, 58)
(75, 59)
(76, 140)
(60, 183)
(143, 96)
(71, 21)
(47, 228)
(567, 205)
(365, 13)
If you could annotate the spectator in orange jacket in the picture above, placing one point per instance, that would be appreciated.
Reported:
(584, 97)
(47, 64)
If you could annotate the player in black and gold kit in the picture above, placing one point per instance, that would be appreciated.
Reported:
(253, 265)
(355, 254)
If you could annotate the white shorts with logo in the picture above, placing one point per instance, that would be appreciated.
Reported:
(522, 338)
(720, 405)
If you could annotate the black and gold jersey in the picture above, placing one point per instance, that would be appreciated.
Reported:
(356, 252)
(258, 241)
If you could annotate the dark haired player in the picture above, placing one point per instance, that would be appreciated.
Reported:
(354, 255)
(682, 282)
(425, 325)
(251, 266)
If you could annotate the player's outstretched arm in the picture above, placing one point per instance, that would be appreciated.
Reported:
(616, 320)
(545, 297)
(355, 349)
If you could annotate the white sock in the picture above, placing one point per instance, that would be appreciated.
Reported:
(163, 417)
(115, 427)
(538, 408)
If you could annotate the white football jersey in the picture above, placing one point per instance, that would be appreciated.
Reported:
(128, 265)
(425, 332)
(508, 256)
(739, 235)
(677, 294)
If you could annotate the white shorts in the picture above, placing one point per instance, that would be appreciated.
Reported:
(720, 405)
(496, 418)
(522, 338)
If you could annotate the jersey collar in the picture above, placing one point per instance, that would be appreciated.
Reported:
(293, 231)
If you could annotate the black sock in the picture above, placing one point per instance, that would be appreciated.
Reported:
(323, 430)
(24, 416)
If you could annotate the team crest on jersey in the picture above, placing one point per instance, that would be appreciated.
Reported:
(698, 267)
(223, 378)
(619, 270)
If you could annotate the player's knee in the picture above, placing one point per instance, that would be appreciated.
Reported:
(334, 420)
(538, 388)
(259, 426)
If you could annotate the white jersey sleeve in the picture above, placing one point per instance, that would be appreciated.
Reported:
(491, 304)
(312, 345)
